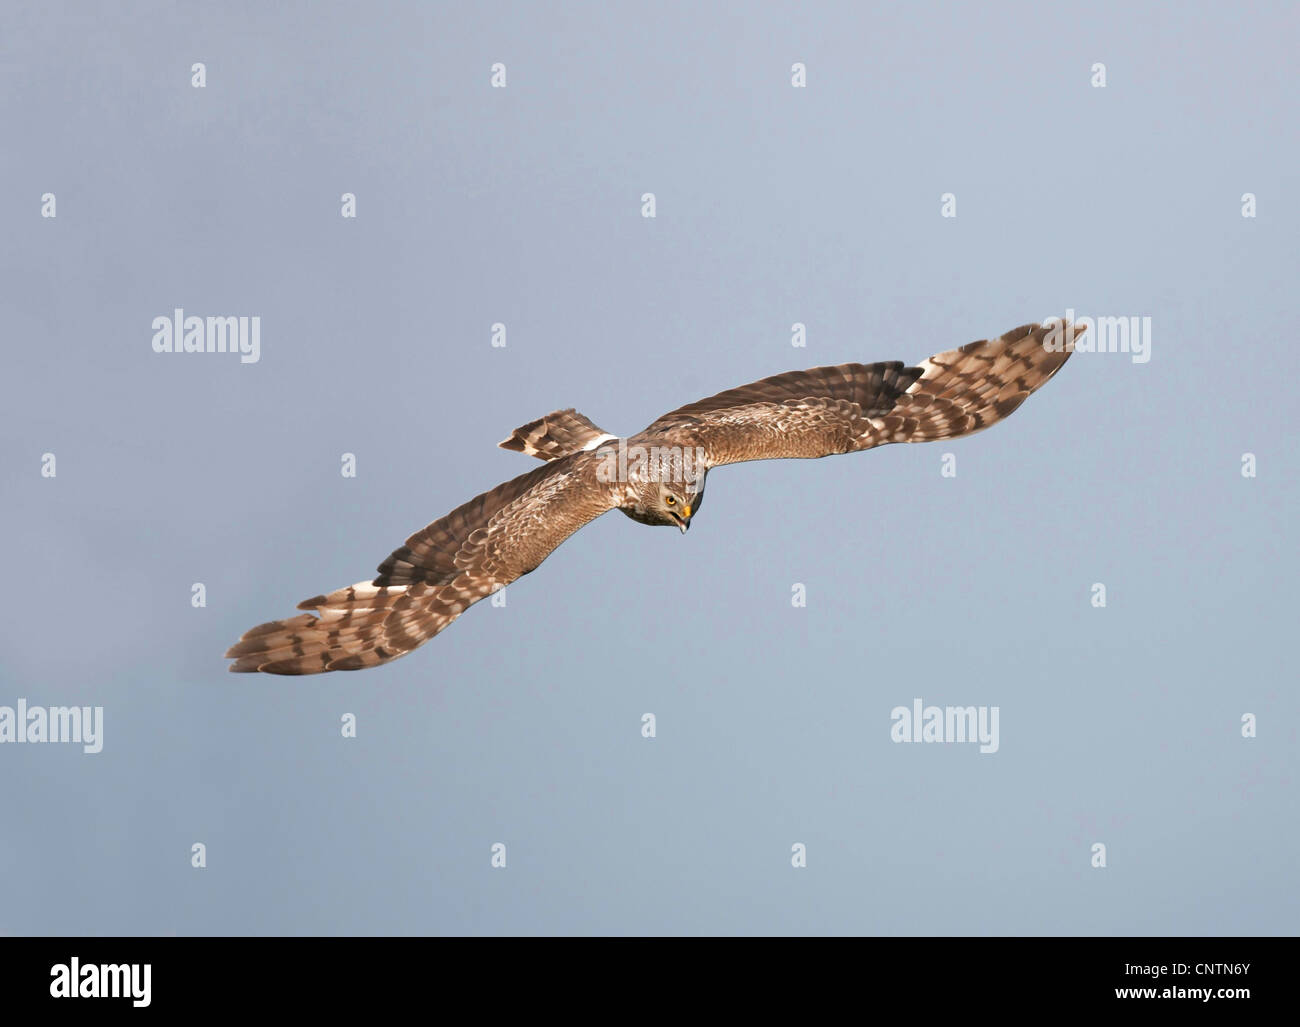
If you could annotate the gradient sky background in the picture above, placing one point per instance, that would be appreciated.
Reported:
(522, 724)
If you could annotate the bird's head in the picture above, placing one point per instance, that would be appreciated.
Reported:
(670, 503)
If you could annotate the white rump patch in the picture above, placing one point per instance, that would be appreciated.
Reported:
(598, 442)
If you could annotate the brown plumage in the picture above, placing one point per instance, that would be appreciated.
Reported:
(557, 434)
(483, 545)
(852, 407)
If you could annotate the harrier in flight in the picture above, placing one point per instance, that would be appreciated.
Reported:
(655, 477)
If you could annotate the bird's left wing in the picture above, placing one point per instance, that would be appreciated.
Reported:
(477, 549)
(850, 407)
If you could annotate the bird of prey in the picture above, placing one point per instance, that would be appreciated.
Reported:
(655, 477)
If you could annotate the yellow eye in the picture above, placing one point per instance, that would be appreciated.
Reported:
(671, 501)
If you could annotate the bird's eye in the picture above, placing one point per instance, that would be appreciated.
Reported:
(671, 501)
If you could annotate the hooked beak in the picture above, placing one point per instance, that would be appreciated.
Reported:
(684, 521)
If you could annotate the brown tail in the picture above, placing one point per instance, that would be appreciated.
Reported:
(558, 434)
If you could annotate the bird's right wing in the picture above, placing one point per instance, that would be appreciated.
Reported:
(477, 549)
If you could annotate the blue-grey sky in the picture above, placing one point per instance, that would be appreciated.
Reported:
(775, 205)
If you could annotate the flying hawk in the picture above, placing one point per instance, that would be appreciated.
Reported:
(655, 477)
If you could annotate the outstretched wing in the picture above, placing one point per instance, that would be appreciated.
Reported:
(850, 407)
(422, 587)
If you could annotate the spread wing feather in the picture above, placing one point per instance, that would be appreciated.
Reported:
(477, 549)
(850, 407)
